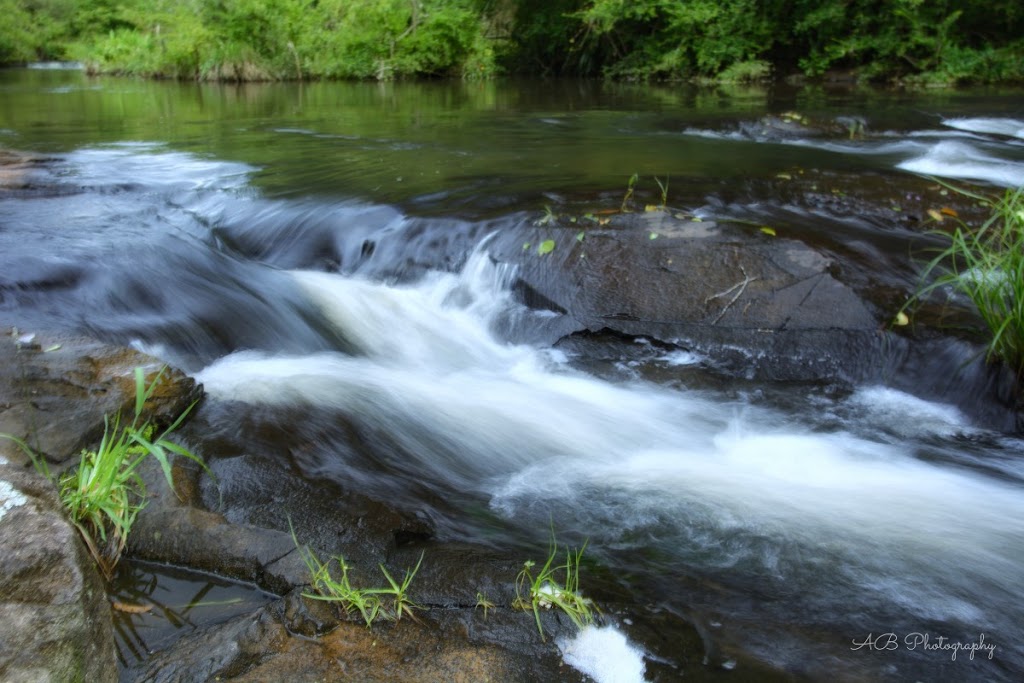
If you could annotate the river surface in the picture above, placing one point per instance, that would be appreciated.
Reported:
(243, 232)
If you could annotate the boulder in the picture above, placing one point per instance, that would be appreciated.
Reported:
(55, 622)
(761, 306)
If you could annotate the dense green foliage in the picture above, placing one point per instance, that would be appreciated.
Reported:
(926, 41)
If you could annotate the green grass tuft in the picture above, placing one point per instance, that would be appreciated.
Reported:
(389, 602)
(105, 494)
(554, 586)
(986, 264)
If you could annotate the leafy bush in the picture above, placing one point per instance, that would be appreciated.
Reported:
(933, 41)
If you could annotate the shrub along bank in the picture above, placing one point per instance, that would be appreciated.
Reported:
(910, 41)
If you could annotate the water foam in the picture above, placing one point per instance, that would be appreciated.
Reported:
(949, 159)
(718, 483)
(604, 654)
(995, 126)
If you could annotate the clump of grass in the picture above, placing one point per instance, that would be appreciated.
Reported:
(339, 590)
(389, 602)
(554, 585)
(398, 593)
(986, 264)
(105, 493)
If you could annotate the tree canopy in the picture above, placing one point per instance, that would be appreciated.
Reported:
(927, 41)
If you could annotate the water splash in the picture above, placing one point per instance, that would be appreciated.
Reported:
(604, 654)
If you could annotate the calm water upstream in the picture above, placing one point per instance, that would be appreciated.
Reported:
(270, 240)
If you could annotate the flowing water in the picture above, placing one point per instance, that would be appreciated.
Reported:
(322, 249)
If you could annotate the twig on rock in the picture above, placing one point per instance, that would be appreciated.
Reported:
(741, 286)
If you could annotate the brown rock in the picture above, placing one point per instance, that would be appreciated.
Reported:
(55, 391)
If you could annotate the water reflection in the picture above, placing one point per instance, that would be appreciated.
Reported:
(154, 605)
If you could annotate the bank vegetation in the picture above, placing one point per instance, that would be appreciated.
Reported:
(925, 42)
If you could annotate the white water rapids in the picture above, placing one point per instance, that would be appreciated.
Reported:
(850, 521)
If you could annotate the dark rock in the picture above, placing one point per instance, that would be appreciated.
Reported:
(764, 307)
(55, 620)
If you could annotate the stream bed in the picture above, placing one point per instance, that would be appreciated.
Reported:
(317, 256)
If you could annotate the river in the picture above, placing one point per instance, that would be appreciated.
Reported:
(243, 233)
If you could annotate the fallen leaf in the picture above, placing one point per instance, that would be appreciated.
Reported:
(51, 348)
(651, 208)
(783, 176)
(546, 247)
(768, 231)
(946, 211)
(936, 216)
(653, 236)
(580, 235)
(526, 245)
(901, 319)
(129, 608)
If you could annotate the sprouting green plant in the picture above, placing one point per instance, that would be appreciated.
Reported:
(366, 601)
(628, 197)
(987, 265)
(664, 190)
(554, 586)
(399, 592)
(548, 218)
(340, 590)
(482, 601)
(105, 493)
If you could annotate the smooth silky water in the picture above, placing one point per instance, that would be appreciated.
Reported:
(269, 239)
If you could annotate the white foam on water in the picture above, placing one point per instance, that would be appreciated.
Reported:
(949, 159)
(604, 654)
(681, 358)
(996, 126)
(908, 415)
(150, 165)
(507, 423)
